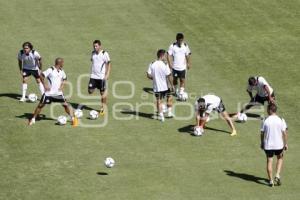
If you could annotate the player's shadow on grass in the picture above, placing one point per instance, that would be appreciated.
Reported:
(102, 173)
(11, 95)
(80, 106)
(136, 113)
(148, 90)
(247, 177)
(29, 115)
(190, 129)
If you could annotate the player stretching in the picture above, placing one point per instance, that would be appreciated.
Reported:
(205, 105)
(179, 60)
(100, 70)
(160, 73)
(263, 89)
(30, 63)
(54, 91)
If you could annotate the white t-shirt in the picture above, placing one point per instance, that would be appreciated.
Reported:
(30, 61)
(179, 55)
(273, 128)
(55, 79)
(159, 71)
(211, 102)
(98, 68)
(261, 82)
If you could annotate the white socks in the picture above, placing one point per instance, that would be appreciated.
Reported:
(24, 89)
(41, 87)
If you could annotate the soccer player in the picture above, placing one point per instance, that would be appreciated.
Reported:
(264, 92)
(179, 61)
(30, 63)
(100, 71)
(274, 141)
(205, 105)
(54, 90)
(160, 73)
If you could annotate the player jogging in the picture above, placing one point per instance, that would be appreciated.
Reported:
(273, 142)
(179, 60)
(264, 92)
(160, 73)
(54, 90)
(100, 70)
(30, 63)
(205, 105)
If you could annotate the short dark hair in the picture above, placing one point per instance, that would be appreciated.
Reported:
(251, 80)
(272, 108)
(97, 42)
(201, 103)
(179, 36)
(28, 44)
(160, 53)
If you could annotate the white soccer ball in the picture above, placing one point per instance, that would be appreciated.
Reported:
(94, 114)
(242, 117)
(198, 131)
(62, 120)
(164, 108)
(109, 162)
(78, 113)
(32, 97)
(183, 96)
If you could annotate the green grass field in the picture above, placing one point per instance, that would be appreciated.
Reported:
(230, 41)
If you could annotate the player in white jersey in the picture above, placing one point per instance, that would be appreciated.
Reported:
(54, 90)
(205, 105)
(100, 71)
(160, 74)
(274, 141)
(30, 63)
(179, 61)
(264, 92)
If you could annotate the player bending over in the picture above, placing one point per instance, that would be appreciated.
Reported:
(179, 60)
(160, 73)
(264, 92)
(100, 70)
(54, 92)
(205, 105)
(30, 63)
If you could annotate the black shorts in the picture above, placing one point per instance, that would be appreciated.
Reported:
(28, 72)
(262, 100)
(178, 74)
(162, 94)
(97, 83)
(272, 152)
(220, 108)
(49, 99)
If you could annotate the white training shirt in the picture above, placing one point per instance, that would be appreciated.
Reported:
(273, 128)
(98, 68)
(30, 61)
(261, 82)
(179, 55)
(159, 71)
(55, 79)
(211, 102)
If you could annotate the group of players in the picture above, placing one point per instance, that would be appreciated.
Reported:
(166, 71)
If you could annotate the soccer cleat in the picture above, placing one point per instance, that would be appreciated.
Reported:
(102, 113)
(271, 183)
(75, 122)
(277, 181)
(31, 121)
(233, 133)
(170, 114)
(161, 118)
(23, 99)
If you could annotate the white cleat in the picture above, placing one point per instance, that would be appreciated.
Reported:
(31, 121)
(22, 99)
(170, 115)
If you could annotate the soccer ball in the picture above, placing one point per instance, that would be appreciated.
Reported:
(183, 96)
(62, 120)
(94, 114)
(109, 162)
(242, 117)
(78, 113)
(164, 108)
(198, 131)
(32, 97)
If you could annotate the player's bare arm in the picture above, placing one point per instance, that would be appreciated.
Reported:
(250, 95)
(42, 78)
(107, 71)
(170, 60)
(149, 76)
(20, 66)
(188, 61)
(262, 140)
(285, 139)
(271, 99)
